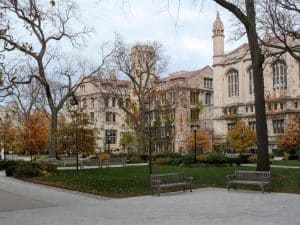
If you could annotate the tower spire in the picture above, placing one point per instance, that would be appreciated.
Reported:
(218, 27)
(218, 40)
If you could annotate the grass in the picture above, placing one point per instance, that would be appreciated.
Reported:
(134, 180)
(286, 162)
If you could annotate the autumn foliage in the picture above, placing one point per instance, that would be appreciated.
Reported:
(291, 138)
(33, 133)
(202, 140)
(241, 137)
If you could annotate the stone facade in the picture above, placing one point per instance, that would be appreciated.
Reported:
(189, 90)
(103, 110)
(234, 93)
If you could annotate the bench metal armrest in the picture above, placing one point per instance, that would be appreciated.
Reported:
(189, 179)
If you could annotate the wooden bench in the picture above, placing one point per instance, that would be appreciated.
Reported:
(159, 181)
(90, 162)
(116, 161)
(71, 161)
(260, 178)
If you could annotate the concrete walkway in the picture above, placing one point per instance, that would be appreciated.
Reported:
(274, 166)
(23, 203)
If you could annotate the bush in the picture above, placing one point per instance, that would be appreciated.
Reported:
(252, 159)
(292, 157)
(3, 164)
(11, 167)
(187, 159)
(216, 158)
(104, 156)
(176, 162)
(202, 158)
(168, 155)
(135, 159)
(163, 161)
(144, 157)
(28, 170)
(244, 157)
(48, 169)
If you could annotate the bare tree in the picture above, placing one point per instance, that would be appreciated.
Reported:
(45, 26)
(141, 64)
(280, 18)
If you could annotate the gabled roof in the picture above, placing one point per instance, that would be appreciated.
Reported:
(207, 70)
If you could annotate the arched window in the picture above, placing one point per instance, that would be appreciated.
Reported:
(233, 83)
(92, 103)
(279, 75)
(251, 81)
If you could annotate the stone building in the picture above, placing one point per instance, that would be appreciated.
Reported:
(191, 97)
(188, 91)
(95, 99)
(234, 92)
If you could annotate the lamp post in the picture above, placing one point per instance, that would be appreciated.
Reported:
(195, 128)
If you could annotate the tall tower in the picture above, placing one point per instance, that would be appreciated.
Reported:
(218, 40)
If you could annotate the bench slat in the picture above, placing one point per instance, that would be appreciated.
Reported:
(260, 178)
(169, 180)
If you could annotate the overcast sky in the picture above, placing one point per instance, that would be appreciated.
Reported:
(188, 42)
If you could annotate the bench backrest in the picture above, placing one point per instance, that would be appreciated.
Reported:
(114, 160)
(253, 175)
(167, 178)
(69, 159)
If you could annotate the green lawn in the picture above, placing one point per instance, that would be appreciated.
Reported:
(286, 162)
(134, 180)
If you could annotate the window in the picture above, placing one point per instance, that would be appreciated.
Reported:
(110, 117)
(252, 125)
(251, 108)
(270, 106)
(194, 114)
(208, 82)
(208, 99)
(233, 83)
(92, 103)
(278, 126)
(194, 97)
(83, 103)
(163, 99)
(296, 105)
(82, 87)
(171, 96)
(251, 81)
(106, 101)
(92, 117)
(279, 75)
(113, 102)
(281, 105)
(275, 106)
(110, 136)
(246, 109)
(230, 126)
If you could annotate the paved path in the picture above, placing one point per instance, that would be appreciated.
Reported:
(273, 166)
(29, 204)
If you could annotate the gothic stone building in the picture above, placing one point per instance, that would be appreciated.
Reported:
(187, 89)
(233, 88)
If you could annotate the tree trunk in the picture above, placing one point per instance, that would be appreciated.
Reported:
(53, 136)
(257, 65)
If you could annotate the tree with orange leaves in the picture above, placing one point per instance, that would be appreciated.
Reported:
(202, 140)
(290, 140)
(241, 137)
(33, 134)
